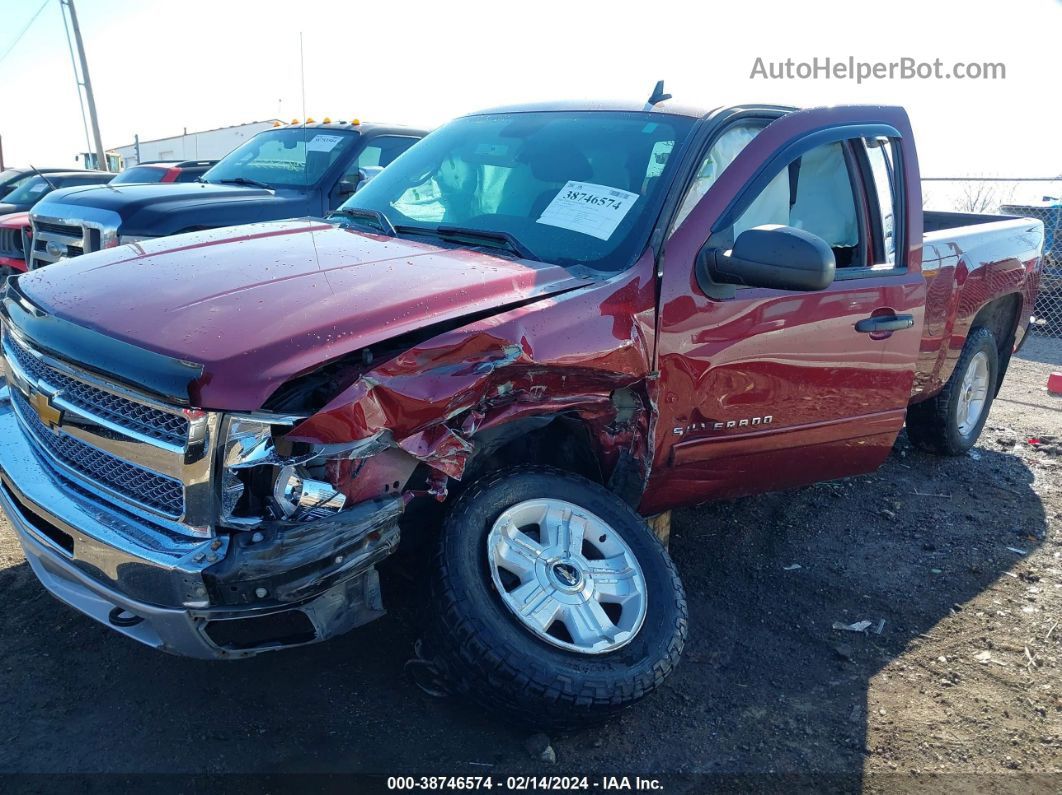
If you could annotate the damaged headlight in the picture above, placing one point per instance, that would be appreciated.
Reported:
(305, 497)
(266, 477)
(250, 442)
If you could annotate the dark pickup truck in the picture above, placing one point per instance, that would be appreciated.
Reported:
(285, 172)
(34, 190)
(538, 330)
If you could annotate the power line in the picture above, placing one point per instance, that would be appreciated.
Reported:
(22, 32)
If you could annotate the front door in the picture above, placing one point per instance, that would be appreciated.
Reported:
(763, 389)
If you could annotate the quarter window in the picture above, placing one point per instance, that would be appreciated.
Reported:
(880, 156)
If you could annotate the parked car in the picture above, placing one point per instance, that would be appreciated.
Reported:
(14, 233)
(32, 190)
(557, 321)
(283, 172)
(11, 178)
(163, 171)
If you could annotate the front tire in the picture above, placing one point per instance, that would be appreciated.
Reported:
(950, 422)
(553, 602)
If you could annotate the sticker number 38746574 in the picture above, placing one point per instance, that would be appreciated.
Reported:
(591, 209)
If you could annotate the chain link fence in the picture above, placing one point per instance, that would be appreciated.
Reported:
(1028, 197)
(1048, 311)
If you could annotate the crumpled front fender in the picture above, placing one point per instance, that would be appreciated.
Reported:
(566, 354)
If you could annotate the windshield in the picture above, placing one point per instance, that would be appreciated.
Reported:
(284, 158)
(29, 191)
(10, 175)
(139, 175)
(572, 188)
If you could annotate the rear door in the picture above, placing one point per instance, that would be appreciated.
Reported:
(763, 389)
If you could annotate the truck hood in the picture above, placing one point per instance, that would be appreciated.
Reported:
(258, 304)
(14, 220)
(7, 208)
(167, 208)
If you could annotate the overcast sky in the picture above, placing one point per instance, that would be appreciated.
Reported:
(160, 66)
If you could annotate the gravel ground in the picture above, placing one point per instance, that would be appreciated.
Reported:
(960, 558)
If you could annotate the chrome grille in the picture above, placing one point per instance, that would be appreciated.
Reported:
(157, 491)
(53, 241)
(11, 243)
(59, 229)
(151, 422)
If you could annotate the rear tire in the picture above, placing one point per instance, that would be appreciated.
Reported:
(504, 662)
(950, 422)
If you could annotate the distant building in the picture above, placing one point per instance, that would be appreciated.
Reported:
(88, 160)
(205, 145)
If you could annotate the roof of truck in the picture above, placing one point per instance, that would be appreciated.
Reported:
(74, 172)
(174, 163)
(349, 124)
(45, 170)
(665, 107)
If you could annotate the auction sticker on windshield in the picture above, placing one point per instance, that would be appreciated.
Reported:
(594, 210)
(323, 143)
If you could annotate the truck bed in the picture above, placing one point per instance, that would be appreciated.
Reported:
(941, 220)
(971, 261)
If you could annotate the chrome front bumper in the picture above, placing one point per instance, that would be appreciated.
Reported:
(154, 586)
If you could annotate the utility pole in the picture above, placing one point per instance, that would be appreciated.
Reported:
(302, 78)
(101, 159)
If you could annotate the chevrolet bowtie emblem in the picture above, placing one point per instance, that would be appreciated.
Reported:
(49, 414)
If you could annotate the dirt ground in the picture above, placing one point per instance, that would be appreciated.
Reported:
(960, 558)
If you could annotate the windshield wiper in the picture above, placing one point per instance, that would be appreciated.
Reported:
(476, 237)
(245, 181)
(383, 223)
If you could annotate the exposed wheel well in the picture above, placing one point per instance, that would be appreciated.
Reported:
(559, 441)
(1001, 318)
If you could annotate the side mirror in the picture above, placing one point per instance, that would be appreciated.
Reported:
(773, 256)
(348, 187)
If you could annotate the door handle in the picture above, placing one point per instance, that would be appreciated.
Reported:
(881, 323)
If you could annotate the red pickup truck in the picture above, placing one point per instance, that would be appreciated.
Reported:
(15, 231)
(537, 329)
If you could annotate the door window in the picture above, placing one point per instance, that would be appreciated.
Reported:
(815, 193)
(379, 153)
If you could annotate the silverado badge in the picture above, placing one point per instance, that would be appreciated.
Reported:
(720, 426)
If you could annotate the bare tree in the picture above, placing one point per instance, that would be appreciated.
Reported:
(979, 196)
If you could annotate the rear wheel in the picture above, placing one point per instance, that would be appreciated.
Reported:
(950, 422)
(554, 603)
